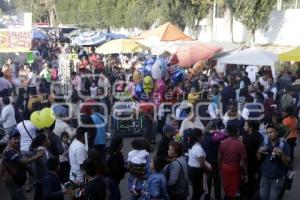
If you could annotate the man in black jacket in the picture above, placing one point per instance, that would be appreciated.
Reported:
(96, 187)
(51, 183)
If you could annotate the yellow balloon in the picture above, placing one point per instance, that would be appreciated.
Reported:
(36, 120)
(47, 116)
(148, 84)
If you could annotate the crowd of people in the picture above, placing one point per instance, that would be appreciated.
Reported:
(235, 131)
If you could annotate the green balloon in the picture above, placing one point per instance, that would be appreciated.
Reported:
(47, 116)
(36, 120)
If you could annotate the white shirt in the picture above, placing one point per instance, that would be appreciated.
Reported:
(32, 79)
(77, 155)
(104, 83)
(138, 156)
(25, 138)
(93, 91)
(245, 113)
(194, 154)
(64, 157)
(187, 123)
(252, 70)
(264, 83)
(8, 116)
(4, 84)
(213, 110)
(60, 127)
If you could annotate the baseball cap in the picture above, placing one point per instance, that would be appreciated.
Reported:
(14, 133)
(169, 129)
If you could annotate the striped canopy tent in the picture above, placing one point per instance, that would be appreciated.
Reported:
(90, 38)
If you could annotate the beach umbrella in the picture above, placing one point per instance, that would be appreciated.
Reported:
(90, 38)
(121, 46)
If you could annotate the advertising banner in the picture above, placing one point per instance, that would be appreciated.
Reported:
(13, 41)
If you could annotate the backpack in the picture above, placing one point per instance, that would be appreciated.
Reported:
(54, 74)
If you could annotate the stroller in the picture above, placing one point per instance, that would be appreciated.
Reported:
(127, 120)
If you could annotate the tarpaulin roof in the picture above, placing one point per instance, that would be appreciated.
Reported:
(292, 55)
(251, 56)
(165, 32)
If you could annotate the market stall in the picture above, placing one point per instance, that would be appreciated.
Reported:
(160, 35)
(251, 56)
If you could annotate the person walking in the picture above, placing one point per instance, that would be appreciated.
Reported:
(232, 155)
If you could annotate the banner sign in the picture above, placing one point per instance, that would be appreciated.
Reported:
(13, 41)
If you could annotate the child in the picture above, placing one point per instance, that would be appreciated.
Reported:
(155, 187)
(64, 159)
(93, 90)
(138, 166)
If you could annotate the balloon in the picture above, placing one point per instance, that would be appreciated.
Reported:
(177, 76)
(148, 84)
(137, 77)
(145, 70)
(198, 67)
(150, 61)
(159, 91)
(47, 116)
(36, 120)
(138, 90)
(160, 86)
(173, 60)
(159, 68)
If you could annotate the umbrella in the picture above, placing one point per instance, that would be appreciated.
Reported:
(188, 53)
(38, 34)
(121, 46)
(114, 36)
(90, 38)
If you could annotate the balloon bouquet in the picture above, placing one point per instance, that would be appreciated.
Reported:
(44, 118)
(155, 71)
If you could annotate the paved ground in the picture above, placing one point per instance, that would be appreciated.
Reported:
(294, 194)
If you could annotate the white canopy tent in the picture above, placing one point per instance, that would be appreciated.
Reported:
(251, 56)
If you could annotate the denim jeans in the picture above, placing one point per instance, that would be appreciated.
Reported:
(270, 188)
(16, 192)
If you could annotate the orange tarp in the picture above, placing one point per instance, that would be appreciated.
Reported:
(165, 32)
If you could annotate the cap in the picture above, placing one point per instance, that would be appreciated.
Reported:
(14, 133)
(169, 129)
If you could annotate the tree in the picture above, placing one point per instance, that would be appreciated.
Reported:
(194, 12)
(254, 14)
